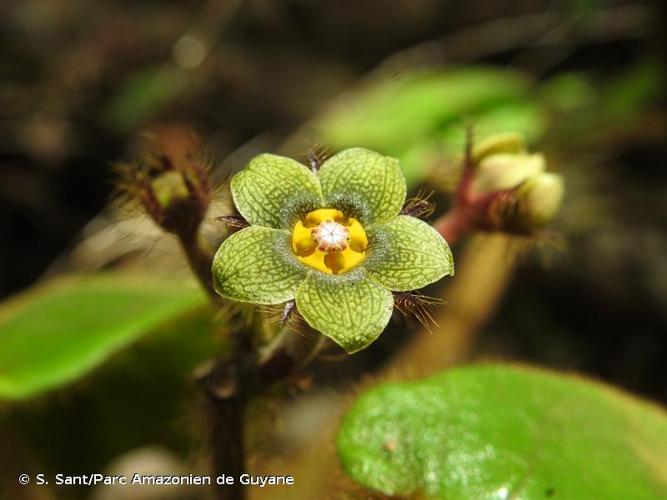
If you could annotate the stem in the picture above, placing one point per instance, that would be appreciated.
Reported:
(227, 438)
(463, 217)
(221, 384)
(229, 384)
(200, 260)
(454, 224)
(226, 405)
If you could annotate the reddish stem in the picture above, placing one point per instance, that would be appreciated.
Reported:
(464, 216)
(454, 224)
(199, 259)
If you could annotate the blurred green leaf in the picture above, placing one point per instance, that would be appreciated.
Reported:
(57, 332)
(152, 387)
(629, 94)
(521, 115)
(142, 95)
(392, 114)
(505, 432)
(569, 92)
(421, 111)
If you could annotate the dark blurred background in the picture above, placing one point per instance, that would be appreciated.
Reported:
(79, 79)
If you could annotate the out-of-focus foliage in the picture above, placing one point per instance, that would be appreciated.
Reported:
(142, 95)
(420, 117)
(393, 113)
(61, 330)
(423, 113)
(632, 90)
(137, 398)
(505, 432)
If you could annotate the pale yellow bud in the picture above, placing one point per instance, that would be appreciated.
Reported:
(538, 199)
(510, 142)
(506, 170)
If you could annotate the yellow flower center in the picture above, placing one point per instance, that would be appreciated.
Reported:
(329, 241)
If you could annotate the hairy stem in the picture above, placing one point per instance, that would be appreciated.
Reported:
(200, 260)
(229, 384)
(221, 385)
(226, 401)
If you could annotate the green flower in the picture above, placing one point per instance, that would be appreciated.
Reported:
(331, 240)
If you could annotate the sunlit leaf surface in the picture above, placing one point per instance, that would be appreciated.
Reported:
(505, 432)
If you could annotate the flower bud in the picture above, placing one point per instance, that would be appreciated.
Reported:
(538, 200)
(510, 142)
(182, 199)
(506, 170)
(169, 181)
(511, 186)
(169, 188)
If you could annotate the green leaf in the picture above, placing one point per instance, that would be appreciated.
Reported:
(58, 332)
(348, 308)
(143, 95)
(370, 184)
(420, 117)
(257, 265)
(638, 87)
(505, 432)
(407, 254)
(522, 116)
(569, 92)
(151, 379)
(395, 113)
(274, 191)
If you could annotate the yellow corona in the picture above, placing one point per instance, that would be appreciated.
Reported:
(329, 241)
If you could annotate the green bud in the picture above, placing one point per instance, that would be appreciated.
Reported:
(169, 187)
(169, 182)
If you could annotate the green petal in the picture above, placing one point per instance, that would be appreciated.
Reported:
(407, 254)
(256, 265)
(370, 185)
(273, 191)
(349, 309)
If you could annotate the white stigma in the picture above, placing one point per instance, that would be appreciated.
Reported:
(330, 236)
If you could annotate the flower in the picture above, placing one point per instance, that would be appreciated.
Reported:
(332, 240)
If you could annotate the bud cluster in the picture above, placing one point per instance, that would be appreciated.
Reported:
(517, 192)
